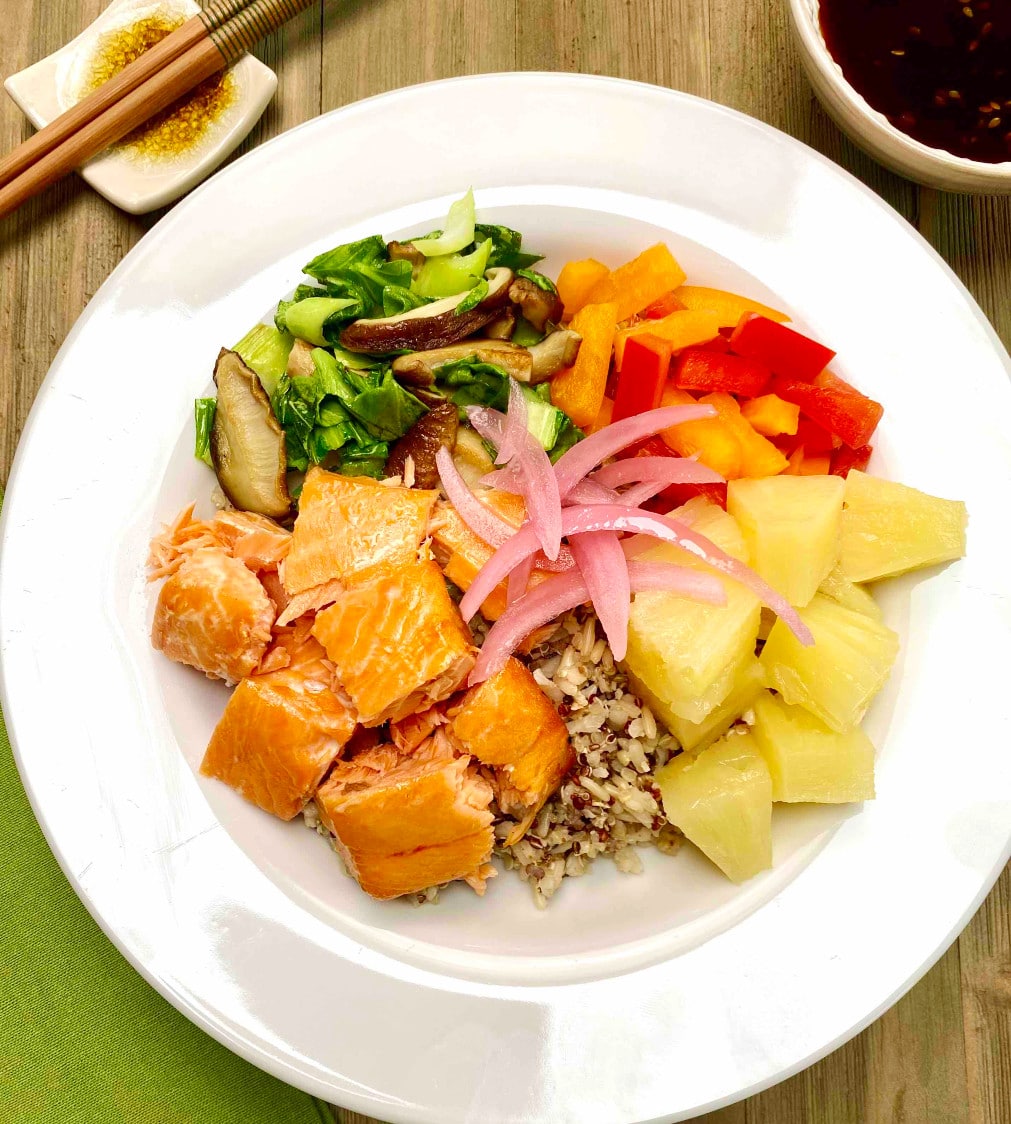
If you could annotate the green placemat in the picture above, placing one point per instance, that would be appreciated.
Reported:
(83, 1038)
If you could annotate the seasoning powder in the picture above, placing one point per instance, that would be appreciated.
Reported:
(184, 124)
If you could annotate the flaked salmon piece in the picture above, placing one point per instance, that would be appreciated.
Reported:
(391, 876)
(349, 527)
(214, 615)
(311, 601)
(398, 642)
(365, 737)
(258, 541)
(278, 736)
(510, 725)
(461, 552)
(403, 823)
(294, 646)
(272, 583)
(408, 733)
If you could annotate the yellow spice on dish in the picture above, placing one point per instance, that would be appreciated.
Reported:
(183, 124)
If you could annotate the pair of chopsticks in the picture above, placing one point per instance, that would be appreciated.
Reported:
(205, 44)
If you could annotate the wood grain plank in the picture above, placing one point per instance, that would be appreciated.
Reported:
(295, 53)
(384, 46)
(985, 949)
(58, 249)
(973, 234)
(660, 41)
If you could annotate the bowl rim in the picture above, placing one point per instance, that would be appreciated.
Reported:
(808, 29)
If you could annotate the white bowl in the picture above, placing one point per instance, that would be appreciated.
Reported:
(874, 132)
(49, 87)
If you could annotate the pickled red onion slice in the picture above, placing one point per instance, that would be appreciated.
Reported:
(585, 455)
(559, 594)
(605, 570)
(614, 517)
(669, 470)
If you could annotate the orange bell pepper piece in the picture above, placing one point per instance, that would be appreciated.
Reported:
(667, 304)
(576, 281)
(579, 389)
(604, 415)
(759, 456)
(679, 329)
(795, 462)
(711, 439)
(771, 416)
(729, 307)
(816, 466)
(640, 282)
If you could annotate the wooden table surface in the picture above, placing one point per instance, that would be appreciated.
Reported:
(943, 1053)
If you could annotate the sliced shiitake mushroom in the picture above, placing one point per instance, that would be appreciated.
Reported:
(300, 360)
(247, 443)
(470, 456)
(405, 251)
(537, 305)
(433, 325)
(558, 349)
(422, 441)
(503, 326)
(419, 366)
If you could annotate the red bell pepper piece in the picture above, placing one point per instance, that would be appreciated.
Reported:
(835, 406)
(814, 439)
(644, 371)
(651, 447)
(679, 494)
(845, 459)
(662, 307)
(719, 344)
(708, 371)
(780, 348)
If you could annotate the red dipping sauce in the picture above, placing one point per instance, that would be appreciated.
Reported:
(939, 70)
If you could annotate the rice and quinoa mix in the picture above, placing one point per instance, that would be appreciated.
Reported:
(608, 804)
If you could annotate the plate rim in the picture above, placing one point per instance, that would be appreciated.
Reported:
(255, 1053)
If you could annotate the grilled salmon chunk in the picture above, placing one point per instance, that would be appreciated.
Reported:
(462, 553)
(404, 823)
(510, 725)
(278, 736)
(213, 614)
(348, 527)
(398, 642)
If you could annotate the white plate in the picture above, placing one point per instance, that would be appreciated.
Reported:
(631, 999)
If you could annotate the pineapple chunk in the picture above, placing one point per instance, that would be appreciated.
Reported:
(837, 587)
(807, 760)
(682, 655)
(791, 526)
(837, 676)
(722, 801)
(888, 528)
(695, 736)
(711, 520)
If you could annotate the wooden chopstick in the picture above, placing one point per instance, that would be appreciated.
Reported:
(231, 29)
(128, 79)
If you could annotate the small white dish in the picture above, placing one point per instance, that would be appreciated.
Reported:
(129, 179)
(872, 130)
(632, 999)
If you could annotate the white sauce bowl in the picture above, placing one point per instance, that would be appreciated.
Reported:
(874, 132)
